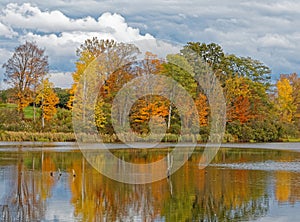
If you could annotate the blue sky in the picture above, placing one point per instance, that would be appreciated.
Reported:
(264, 30)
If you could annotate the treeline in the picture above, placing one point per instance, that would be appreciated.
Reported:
(257, 109)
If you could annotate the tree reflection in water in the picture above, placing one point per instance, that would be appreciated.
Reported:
(190, 194)
(24, 202)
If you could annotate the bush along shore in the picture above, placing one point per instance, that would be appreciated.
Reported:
(60, 129)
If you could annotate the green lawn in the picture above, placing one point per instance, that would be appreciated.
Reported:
(28, 111)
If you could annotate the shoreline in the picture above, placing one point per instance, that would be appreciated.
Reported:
(73, 146)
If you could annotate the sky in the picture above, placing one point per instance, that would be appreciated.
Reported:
(264, 30)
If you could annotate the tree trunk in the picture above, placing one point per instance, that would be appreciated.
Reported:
(169, 116)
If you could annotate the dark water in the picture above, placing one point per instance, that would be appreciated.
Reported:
(241, 184)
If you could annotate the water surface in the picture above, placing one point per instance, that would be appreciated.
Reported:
(241, 184)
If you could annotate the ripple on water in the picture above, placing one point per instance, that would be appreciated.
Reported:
(264, 166)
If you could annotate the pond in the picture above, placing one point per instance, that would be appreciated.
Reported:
(243, 183)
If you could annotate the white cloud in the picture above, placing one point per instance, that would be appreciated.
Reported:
(276, 7)
(274, 40)
(263, 30)
(60, 79)
(61, 35)
(31, 18)
(6, 31)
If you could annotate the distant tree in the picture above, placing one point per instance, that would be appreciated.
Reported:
(63, 95)
(3, 96)
(212, 53)
(25, 71)
(7, 95)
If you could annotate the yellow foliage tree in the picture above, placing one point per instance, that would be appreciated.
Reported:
(295, 84)
(81, 65)
(98, 61)
(48, 100)
(100, 118)
(285, 104)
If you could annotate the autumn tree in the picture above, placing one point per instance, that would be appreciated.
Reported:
(48, 100)
(295, 84)
(149, 106)
(238, 99)
(97, 63)
(25, 71)
(203, 109)
(146, 108)
(81, 65)
(285, 104)
(110, 56)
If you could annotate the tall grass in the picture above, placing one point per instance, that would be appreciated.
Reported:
(34, 136)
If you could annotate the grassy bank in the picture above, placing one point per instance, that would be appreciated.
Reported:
(106, 138)
(28, 111)
(70, 137)
(36, 137)
(291, 140)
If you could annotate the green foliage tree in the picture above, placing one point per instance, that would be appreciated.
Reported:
(3, 96)
(63, 95)
(228, 65)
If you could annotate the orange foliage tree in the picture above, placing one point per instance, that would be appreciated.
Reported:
(203, 109)
(148, 106)
(238, 100)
